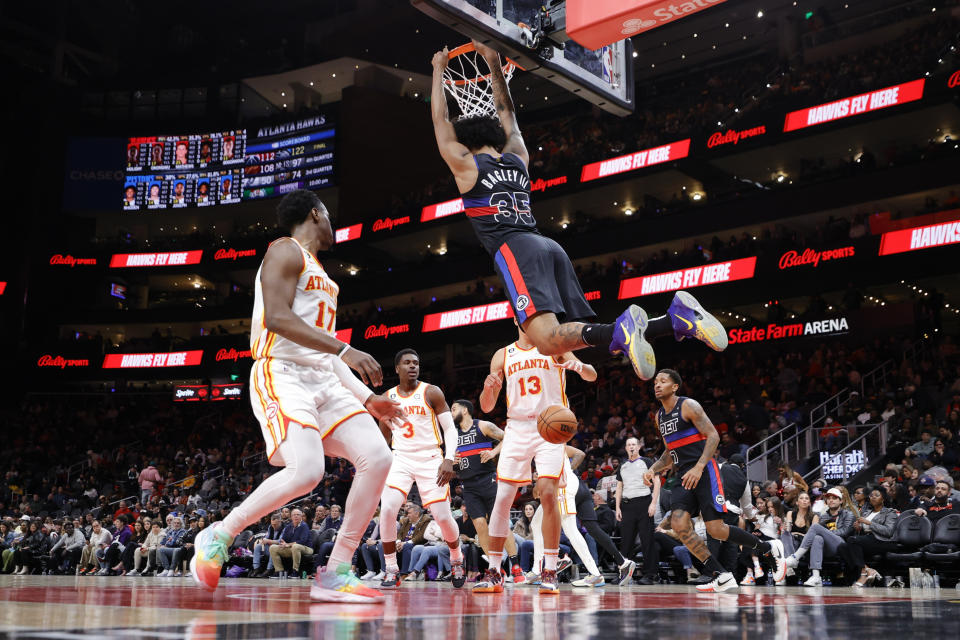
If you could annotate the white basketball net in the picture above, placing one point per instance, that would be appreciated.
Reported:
(468, 79)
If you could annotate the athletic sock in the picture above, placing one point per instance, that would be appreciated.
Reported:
(456, 555)
(597, 335)
(390, 559)
(658, 327)
(496, 559)
(714, 567)
(550, 559)
(741, 537)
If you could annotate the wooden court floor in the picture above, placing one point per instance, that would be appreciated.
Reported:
(101, 607)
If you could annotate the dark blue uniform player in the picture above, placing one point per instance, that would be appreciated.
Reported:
(489, 161)
(691, 440)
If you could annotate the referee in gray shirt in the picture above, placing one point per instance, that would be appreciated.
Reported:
(636, 506)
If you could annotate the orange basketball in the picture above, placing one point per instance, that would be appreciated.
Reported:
(557, 424)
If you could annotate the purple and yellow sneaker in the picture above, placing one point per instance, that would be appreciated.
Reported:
(690, 320)
(342, 586)
(212, 546)
(628, 338)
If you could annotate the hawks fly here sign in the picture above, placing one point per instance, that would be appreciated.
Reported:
(716, 273)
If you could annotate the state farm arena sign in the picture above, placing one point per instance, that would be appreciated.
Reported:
(773, 331)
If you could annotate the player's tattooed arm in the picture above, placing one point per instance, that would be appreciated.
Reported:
(664, 463)
(576, 456)
(491, 386)
(491, 431)
(456, 155)
(503, 102)
(693, 412)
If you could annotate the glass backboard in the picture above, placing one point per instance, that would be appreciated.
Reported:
(604, 77)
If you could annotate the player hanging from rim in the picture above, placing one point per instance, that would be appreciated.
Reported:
(691, 440)
(567, 501)
(308, 402)
(477, 470)
(489, 161)
(534, 382)
(417, 458)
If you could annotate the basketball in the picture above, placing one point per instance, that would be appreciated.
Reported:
(557, 424)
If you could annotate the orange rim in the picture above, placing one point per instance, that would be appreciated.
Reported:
(467, 48)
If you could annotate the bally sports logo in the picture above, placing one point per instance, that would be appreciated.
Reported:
(542, 185)
(70, 261)
(232, 354)
(386, 224)
(60, 362)
(734, 137)
(954, 80)
(233, 254)
(812, 257)
(657, 12)
(383, 331)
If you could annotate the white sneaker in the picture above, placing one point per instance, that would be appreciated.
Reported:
(369, 575)
(176, 574)
(758, 572)
(813, 581)
(589, 581)
(748, 580)
(792, 562)
(723, 582)
(379, 576)
(776, 550)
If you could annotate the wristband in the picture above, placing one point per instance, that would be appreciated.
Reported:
(343, 350)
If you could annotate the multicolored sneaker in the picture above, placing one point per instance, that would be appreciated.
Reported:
(518, 577)
(690, 320)
(458, 576)
(492, 582)
(628, 338)
(342, 586)
(626, 572)
(548, 582)
(563, 564)
(532, 578)
(212, 546)
(391, 580)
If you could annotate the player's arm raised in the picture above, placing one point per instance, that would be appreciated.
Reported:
(438, 403)
(572, 363)
(493, 382)
(693, 412)
(504, 104)
(491, 431)
(278, 280)
(456, 155)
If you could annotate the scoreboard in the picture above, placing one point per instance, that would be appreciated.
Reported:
(201, 170)
(286, 158)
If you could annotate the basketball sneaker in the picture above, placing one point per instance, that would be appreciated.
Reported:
(458, 574)
(748, 580)
(492, 582)
(563, 564)
(518, 577)
(776, 550)
(628, 339)
(722, 582)
(548, 582)
(391, 580)
(589, 581)
(342, 586)
(626, 572)
(690, 320)
(532, 578)
(212, 546)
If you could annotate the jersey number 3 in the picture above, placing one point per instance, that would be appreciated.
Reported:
(512, 207)
(407, 430)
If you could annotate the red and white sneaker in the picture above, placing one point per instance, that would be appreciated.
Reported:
(518, 577)
(342, 586)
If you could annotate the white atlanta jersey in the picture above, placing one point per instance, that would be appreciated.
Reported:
(420, 433)
(315, 302)
(533, 382)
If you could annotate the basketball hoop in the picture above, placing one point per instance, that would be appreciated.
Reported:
(465, 79)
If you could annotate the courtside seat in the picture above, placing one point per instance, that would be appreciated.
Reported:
(946, 533)
(911, 533)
